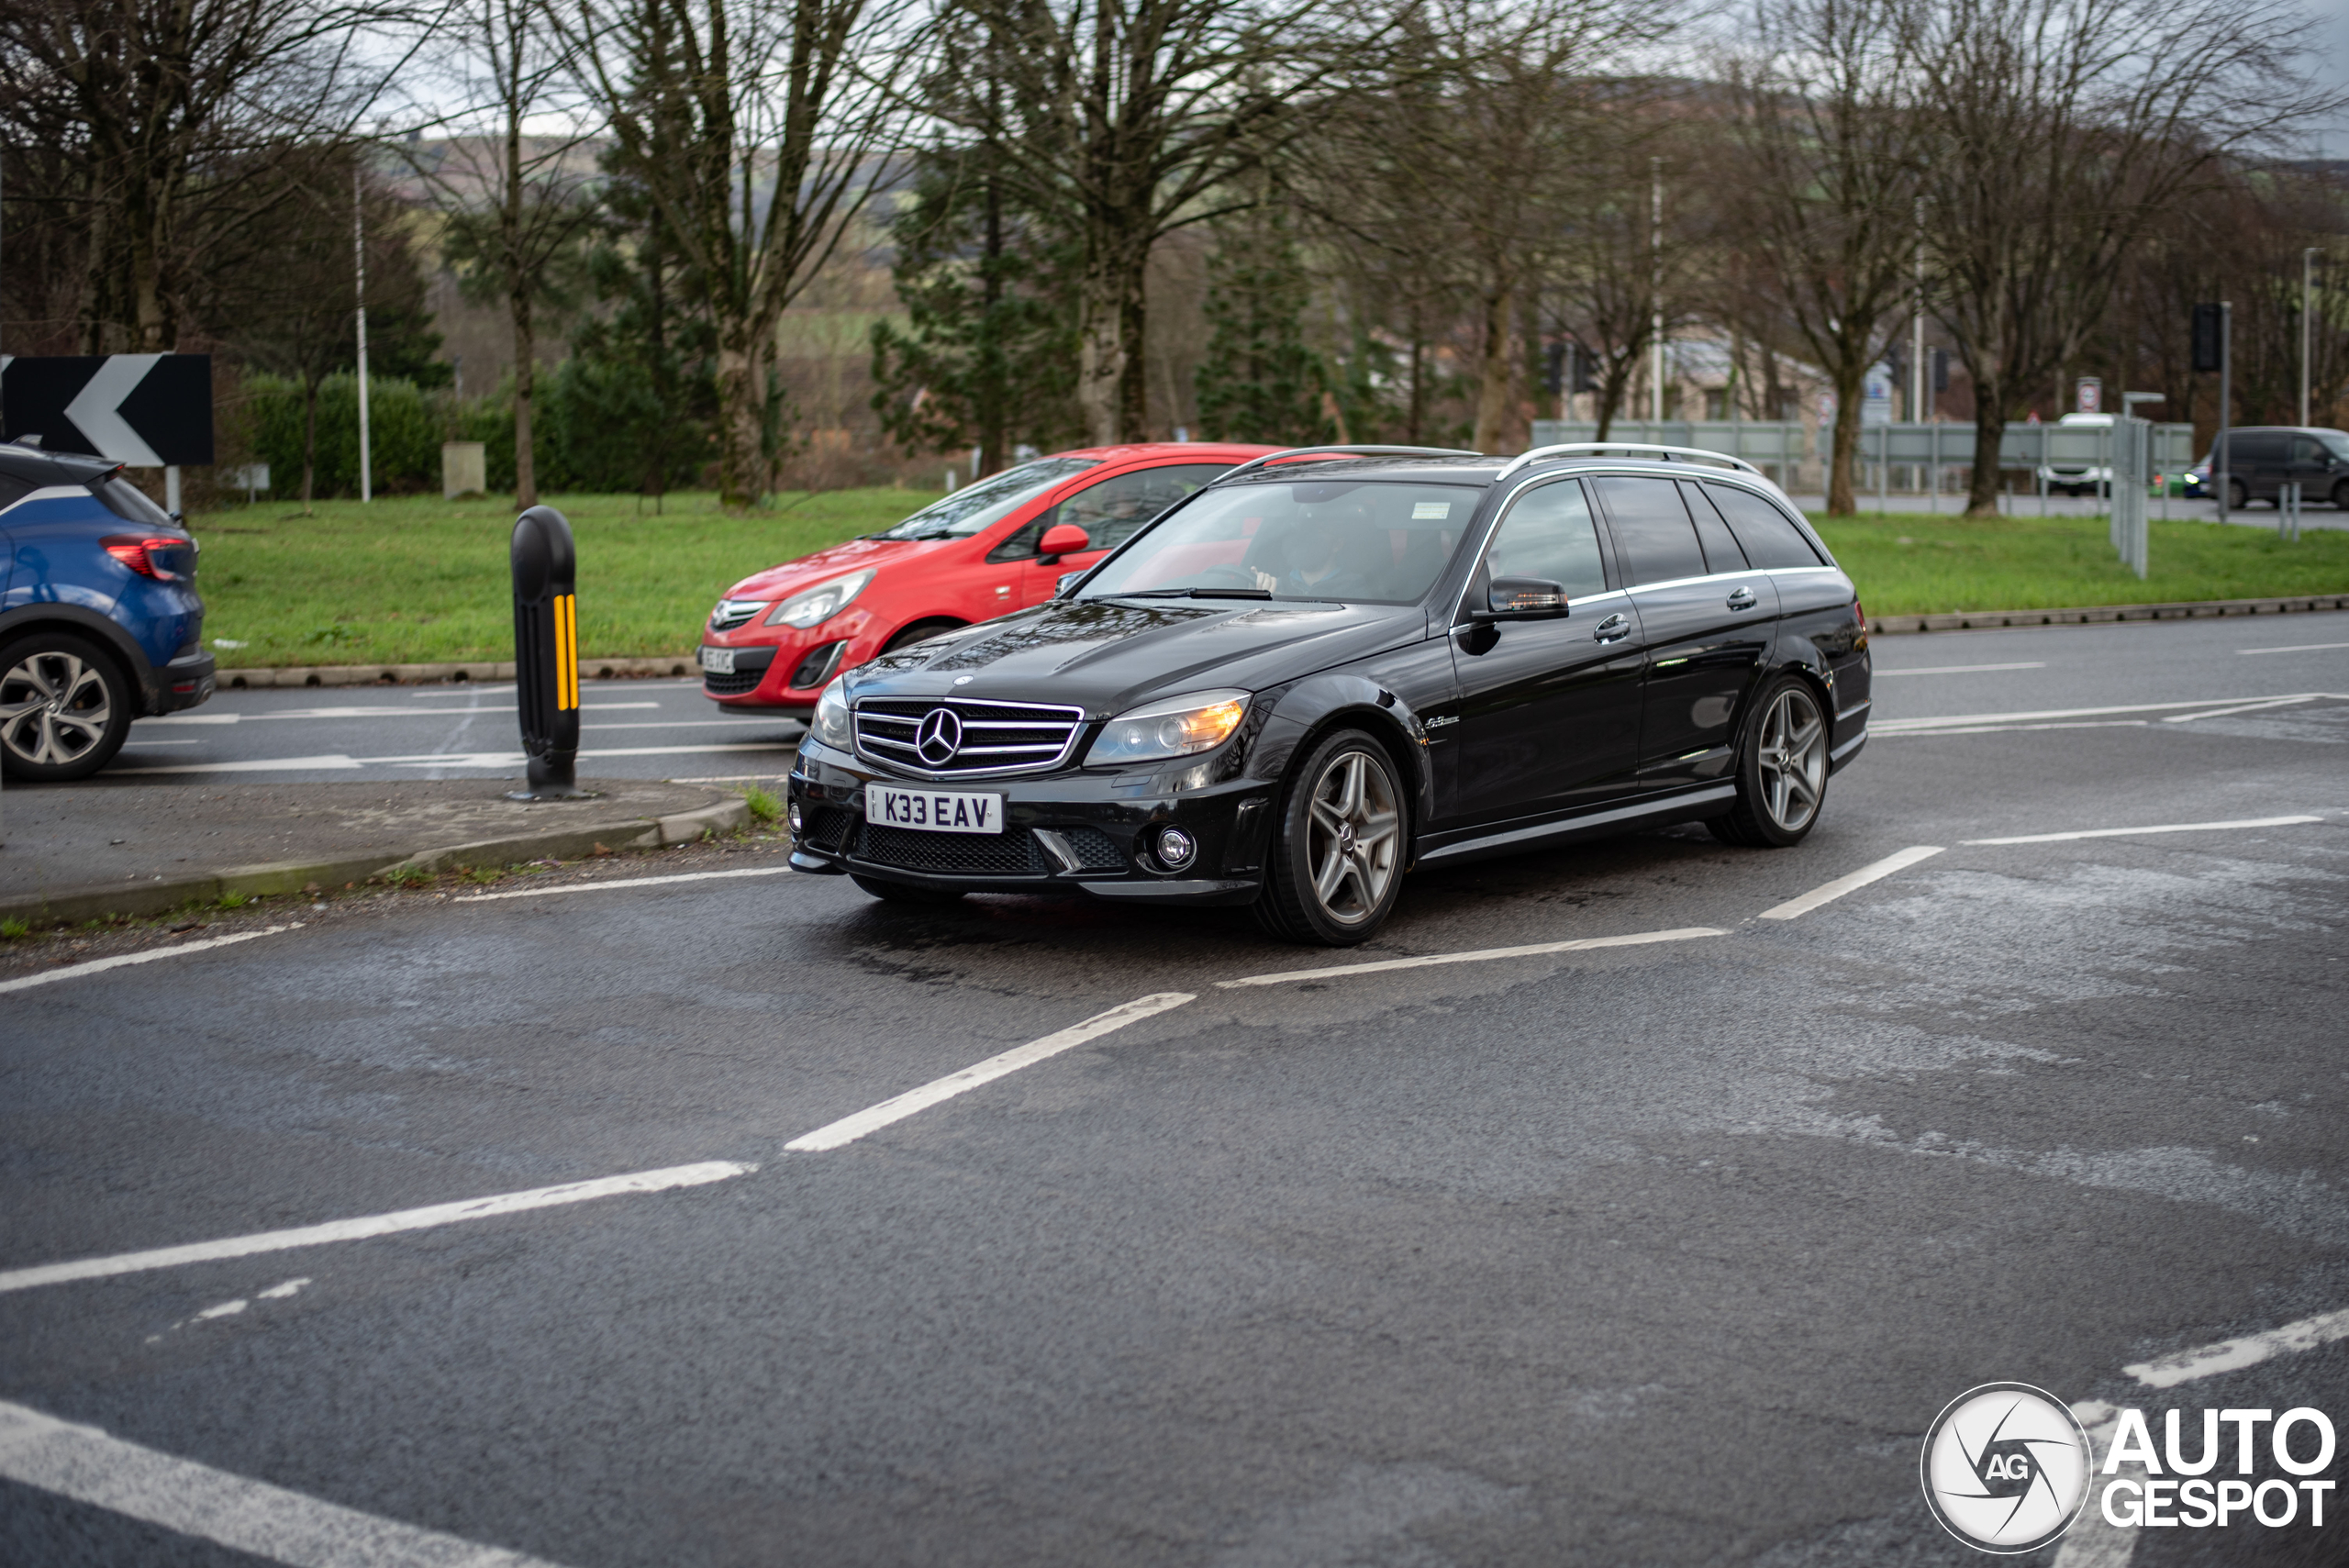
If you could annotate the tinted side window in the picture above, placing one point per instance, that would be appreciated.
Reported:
(1652, 528)
(1722, 553)
(129, 503)
(1769, 538)
(2254, 448)
(1547, 534)
(2308, 449)
(1112, 511)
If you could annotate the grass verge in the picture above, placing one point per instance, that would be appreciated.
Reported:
(417, 580)
(1921, 565)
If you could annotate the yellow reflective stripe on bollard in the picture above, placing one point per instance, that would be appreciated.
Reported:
(566, 650)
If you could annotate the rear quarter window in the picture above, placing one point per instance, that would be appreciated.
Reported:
(1769, 536)
(129, 503)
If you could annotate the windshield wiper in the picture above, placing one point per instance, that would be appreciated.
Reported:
(1194, 593)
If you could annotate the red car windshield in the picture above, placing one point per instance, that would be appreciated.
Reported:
(976, 507)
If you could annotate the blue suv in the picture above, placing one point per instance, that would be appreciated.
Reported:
(99, 619)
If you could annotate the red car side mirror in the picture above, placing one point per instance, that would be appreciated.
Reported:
(1063, 539)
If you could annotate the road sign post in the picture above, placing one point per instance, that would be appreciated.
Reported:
(546, 653)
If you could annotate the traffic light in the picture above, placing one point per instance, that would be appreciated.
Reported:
(1582, 380)
(1554, 369)
(2209, 334)
(1940, 369)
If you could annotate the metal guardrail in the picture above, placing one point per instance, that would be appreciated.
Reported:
(2025, 446)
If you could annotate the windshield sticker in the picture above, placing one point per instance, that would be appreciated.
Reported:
(1430, 511)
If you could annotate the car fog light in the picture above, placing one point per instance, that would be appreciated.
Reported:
(1176, 848)
(796, 819)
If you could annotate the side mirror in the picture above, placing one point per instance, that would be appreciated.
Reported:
(1524, 598)
(1062, 538)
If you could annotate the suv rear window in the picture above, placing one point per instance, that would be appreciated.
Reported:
(129, 503)
(1769, 536)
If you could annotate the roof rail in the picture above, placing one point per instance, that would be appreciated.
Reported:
(1538, 452)
(1346, 451)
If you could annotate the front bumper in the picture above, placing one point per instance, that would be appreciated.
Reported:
(1070, 832)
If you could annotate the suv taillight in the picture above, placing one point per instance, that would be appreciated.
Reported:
(138, 551)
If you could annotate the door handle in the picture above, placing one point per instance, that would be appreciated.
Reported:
(1741, 598)
(1614, 628)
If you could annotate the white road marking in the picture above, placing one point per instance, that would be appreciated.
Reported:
(439, 759)
(74, 970)
(280, 1292)
(617, 883)
(2233, 1355)
(2131, 832)
(427, 1218)
(1828, 892)
(244, 1515)
(381, 710)
(1964, 669)
(2004, 728)
(2246, 707)
(847, 1129)
(226, 1309)
(1479, 955)
(1919, 726)
(2298, 648)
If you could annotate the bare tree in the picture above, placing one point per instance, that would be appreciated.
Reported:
(756, 137)
(169, 109)
(1823, 178)
(1616, 279)
(1125, 118)
(515, 199)
(2062, 132)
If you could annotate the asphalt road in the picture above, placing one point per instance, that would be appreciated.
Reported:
(628, 729)
(1664, 1252)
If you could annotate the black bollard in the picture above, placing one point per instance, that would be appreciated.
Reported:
(546, 653)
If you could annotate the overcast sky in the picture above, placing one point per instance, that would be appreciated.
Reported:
(2330, 65)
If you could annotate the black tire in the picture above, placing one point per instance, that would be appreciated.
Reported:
(921, 631)
(65, 708)
(904, 892)
(2238, 496)
(1359, 837)
(2340, 497)
(1780, 791)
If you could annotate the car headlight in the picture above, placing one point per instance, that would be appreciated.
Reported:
(831, 722)
(1174, 728)
(820, 603)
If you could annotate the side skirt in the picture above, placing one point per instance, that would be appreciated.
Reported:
(1688, 806)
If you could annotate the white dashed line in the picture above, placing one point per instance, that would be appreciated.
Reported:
(74, 970)
(374, 1225)
(847, 1129)
(1959, 722)
(2232, 1355)
(2298, 648)
(1826, 892)
(1964, 669)
(244, 1515)
(619, 883)
(2132, 832)
(2225, 712)
(1479, 955)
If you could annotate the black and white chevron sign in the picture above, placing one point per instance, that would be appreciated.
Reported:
(144, 410)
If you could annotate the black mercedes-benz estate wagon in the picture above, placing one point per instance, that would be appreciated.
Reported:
(1333, 665)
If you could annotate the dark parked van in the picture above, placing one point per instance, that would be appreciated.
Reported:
(2262, 459)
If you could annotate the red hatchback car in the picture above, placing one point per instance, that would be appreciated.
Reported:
(777, 639)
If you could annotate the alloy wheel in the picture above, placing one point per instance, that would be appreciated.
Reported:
(53, 708)
(1353, 838)
(1793, 757)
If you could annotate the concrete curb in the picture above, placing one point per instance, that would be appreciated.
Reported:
(410, 674)
(280, 877)
(2092, 614)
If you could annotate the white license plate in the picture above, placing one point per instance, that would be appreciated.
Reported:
(933, 811)
(717, 660)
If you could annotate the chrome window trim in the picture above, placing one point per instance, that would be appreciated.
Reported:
(1074, 716)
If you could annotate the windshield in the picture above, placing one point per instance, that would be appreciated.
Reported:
(1344, 540)
(976, 507)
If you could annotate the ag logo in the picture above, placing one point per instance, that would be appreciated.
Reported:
(2005, 1468)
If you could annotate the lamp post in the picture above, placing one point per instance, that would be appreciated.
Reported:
(2308, 293)
(358, 258)
(1656, 287)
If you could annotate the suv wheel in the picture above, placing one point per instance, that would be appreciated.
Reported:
(1337, 863)
(64, 708)
(2340, 497)
(1781, 770)
(2238, 496)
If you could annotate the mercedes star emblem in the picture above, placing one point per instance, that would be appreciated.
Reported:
(940, 736)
